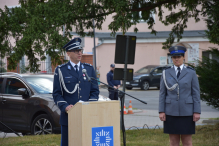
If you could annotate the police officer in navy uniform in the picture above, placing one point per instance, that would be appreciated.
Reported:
(113, 94)
(179, 100)
(71, 85)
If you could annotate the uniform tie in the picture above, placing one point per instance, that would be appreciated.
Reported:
(178, 74)
(76, 68)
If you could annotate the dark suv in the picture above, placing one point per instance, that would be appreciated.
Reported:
(26, 104)
(148, 76)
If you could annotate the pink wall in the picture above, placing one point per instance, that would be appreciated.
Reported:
(89, 44)
(145, 54)
(143, 26)
(8, 3)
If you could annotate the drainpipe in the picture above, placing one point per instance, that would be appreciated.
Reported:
(94, 60)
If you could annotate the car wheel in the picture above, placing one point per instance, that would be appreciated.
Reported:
(129, 88)
(41, 125)
(145, 85)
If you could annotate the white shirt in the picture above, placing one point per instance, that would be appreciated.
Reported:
(181, 67)
(73, 64)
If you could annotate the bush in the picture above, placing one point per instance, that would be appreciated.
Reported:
(208, 74)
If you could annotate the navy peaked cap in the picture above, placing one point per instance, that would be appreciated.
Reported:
(112, 65)
(74, 44)
(177, 50)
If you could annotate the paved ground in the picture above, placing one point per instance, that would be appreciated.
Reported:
(150, 117)
(143, 118)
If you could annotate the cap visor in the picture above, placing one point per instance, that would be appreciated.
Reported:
(177, 54)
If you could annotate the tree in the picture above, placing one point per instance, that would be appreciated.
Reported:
(37, 24)
(208, 69)
(2, 66)
(208, 74)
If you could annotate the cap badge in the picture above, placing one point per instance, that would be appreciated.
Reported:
(176, 49)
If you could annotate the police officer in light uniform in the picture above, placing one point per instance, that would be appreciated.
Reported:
(179, 100)
(71, 85)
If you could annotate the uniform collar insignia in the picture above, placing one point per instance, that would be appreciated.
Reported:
(69, 67)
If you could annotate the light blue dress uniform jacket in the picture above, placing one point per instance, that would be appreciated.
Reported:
(188, 101)
(87, 91)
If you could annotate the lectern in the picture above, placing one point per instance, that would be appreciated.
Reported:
(94, 124)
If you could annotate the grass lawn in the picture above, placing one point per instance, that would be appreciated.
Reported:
(207, 135)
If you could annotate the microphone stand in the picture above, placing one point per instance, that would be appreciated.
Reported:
(10, 129)
(122, 104)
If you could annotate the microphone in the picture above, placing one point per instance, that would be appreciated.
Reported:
(85, 72)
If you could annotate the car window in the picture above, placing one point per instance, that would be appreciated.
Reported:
(158, 70)
(145, 70)
(12, 85)
(1, 82)
(40, 84)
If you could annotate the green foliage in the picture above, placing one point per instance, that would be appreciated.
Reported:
(212, 20)
(2, 67)
(208, 74)
(37, 25)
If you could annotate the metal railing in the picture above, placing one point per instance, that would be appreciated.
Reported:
(45, 67)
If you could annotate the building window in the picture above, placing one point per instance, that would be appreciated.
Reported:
(210, 55)
(169, 59)
(139, 13)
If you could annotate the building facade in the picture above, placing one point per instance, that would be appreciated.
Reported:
(148, 46)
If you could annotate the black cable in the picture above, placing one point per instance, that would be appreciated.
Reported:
(119, 91)
(10, 129)
(146, 125)
(156, 126)
(133, 126)
(121, 96)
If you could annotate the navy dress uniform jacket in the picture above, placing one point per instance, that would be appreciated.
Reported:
(110, 80)
(87, 91)
(188, 101)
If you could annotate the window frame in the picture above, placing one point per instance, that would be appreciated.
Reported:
(4, 86)
(140, 16)
(1, 88)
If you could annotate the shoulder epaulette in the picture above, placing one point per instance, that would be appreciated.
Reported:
(190, 68)
(87, 64)
(62, 65)
(167, 68)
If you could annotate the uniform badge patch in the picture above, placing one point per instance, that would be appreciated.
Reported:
(69, 77)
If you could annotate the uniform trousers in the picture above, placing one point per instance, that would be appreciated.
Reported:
(113, 94)
(64, 135)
